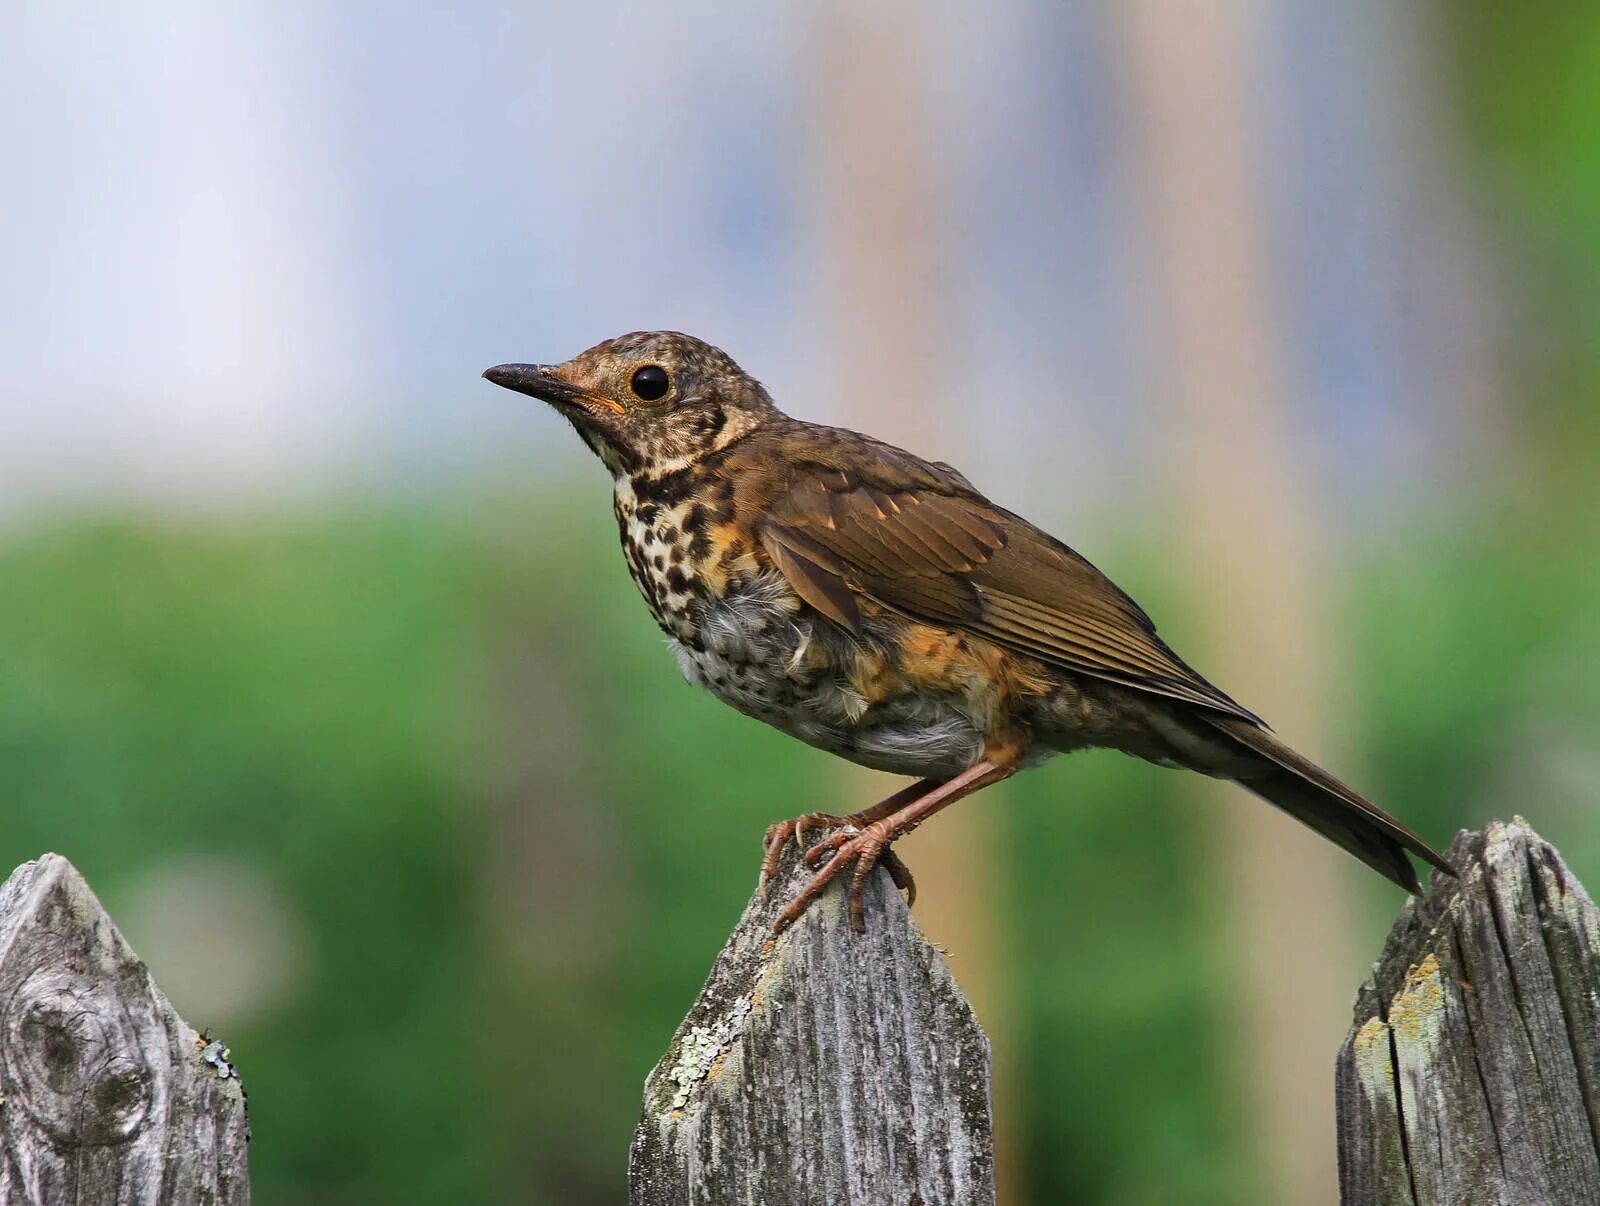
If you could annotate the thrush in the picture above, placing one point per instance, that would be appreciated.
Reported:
(876, 605)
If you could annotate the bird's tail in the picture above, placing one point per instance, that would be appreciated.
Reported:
(1312, 796)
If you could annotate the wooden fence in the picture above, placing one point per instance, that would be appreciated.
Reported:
(828, 1067)
(108, 1097)
(1471, 1070)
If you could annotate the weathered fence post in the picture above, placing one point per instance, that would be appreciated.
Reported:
(105, 1094)
(820, 1068)
(1471, 1072)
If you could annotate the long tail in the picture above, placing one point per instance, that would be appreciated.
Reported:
(1309, 794)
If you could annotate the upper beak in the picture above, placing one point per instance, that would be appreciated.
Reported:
(536, 381)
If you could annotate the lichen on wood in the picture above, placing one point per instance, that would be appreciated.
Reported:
(823, 1066)
(1471, 1070)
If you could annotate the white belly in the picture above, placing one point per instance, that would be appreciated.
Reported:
(754, 652)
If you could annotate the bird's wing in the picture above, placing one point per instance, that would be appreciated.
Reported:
(939, 552)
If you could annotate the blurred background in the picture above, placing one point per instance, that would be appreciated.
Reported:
(317, 655)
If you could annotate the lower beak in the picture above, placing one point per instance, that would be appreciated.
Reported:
(536, 381)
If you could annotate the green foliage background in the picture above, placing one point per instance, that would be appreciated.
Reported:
(322, 697)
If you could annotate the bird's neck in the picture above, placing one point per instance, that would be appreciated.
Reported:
(679, 445)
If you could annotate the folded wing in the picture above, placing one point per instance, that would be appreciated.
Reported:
(941, 553)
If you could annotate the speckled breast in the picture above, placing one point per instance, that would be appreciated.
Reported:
(665, 526)
(738, 629)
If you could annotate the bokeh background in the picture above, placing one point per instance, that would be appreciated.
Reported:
(318, 658)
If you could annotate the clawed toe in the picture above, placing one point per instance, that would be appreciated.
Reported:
(866, 848)
(899, 874)
(780, 832)
(864, 839)
(834, 841)
(815, 821)
(771, 852)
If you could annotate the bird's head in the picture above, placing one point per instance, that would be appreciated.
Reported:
(650, 402)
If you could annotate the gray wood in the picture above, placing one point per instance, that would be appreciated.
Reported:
(108, 1096)
(824, 1067)
(1470, 1072)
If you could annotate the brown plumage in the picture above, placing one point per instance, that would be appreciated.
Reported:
(877, 605)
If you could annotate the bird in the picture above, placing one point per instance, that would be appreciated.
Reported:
(877, 605)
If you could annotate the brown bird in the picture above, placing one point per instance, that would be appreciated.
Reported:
(876, 605)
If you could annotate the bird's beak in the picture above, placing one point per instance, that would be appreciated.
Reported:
(537, 381)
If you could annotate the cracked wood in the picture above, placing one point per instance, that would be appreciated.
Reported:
(821, 1067)
(1472, 1068)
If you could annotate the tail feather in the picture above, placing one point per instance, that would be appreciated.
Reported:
(1312, 796)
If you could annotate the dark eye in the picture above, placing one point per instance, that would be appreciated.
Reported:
(650, 382)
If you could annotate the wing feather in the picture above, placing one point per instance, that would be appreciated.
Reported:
(940, 552)
(815, 578)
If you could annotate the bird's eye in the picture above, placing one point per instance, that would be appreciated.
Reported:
(650, 383)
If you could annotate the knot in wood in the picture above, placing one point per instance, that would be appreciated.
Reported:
(108, 1098)
(73, 1061)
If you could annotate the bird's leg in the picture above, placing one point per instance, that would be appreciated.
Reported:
(857, 821)
(779, 833)
(869, 846)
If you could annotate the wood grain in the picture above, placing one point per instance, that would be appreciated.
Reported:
(108, 1096)
(1470, 1072)
(822, 1068)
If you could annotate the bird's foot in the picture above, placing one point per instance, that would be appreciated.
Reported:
(867, 847)
(865, 837)
(779, 834)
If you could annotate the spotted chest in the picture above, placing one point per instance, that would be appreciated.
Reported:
(674, 538)
(739, 629)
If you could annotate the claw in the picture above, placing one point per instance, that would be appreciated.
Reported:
(771, 853)
(874, 839)
(812, 890)
(865, 848)
(864, 837)
(899, 874)
(805, 824)
(780, 832)
(815, 854)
